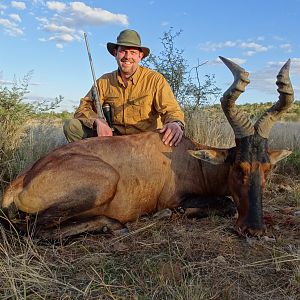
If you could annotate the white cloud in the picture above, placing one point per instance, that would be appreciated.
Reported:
(254, 46)
(68, 20)
(62, 37)
(55, 28)
(294, 69)
(59, 46)
(211, 46)
(94, 16)
(218, 61)
(55, 5)
(251, 47)
(265, 80)
(11, 28)
(287, 47)
(38, 2)
(238, 61)
(15, 17)
(42, 20)
(249, 53)
(18, 5)
(295, 66)
(2, 6)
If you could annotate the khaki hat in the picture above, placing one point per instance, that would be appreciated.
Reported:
(128, 38)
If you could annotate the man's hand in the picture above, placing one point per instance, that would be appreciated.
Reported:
(102, 128)
(173, 134)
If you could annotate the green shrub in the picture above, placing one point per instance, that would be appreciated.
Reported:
(291, 165)
(15, 116)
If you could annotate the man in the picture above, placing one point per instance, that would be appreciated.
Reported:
(140, 99)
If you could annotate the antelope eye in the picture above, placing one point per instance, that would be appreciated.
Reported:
(240, 172)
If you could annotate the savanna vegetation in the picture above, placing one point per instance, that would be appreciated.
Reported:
(173, 258)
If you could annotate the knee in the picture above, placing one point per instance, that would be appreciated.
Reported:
(73, 130)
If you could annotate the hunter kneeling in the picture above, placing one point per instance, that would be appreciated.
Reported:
(140, 99)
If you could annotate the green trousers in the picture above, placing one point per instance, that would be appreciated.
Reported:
(74, 130)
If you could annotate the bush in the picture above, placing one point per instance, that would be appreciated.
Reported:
(291, 165)
(15, 115)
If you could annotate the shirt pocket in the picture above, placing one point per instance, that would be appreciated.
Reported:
(115, 106)
(139, 107)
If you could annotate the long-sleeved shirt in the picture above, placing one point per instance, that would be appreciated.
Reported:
(144, 104)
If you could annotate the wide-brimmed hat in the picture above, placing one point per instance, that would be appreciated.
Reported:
(128, 38)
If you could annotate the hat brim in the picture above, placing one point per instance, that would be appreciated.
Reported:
(112, 46)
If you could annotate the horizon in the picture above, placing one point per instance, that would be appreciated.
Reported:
(47, 37)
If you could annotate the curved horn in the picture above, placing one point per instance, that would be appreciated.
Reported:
(238, 120)
(264, 124)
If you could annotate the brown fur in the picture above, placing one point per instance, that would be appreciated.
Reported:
(121, 178)
(117, 179)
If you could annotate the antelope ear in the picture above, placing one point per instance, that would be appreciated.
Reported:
(277, 155)
(214, 157)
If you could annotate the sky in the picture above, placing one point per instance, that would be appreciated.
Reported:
(46, 37)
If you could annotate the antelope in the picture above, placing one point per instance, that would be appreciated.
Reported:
(103, 183)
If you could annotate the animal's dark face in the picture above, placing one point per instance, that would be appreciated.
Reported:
(249, 164)
(247, 179)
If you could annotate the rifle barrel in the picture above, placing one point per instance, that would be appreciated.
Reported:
(97, 92)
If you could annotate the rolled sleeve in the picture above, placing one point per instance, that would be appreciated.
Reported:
(166, 103)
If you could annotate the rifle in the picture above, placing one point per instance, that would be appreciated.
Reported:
(106, 115)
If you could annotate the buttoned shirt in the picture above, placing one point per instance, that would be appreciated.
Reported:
(144, 104)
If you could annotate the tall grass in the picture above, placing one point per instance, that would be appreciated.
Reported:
(41, 137)
(212, 128)
(209, 128)
(285, 135)
(35, 139)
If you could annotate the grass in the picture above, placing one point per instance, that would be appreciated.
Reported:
(175, 258)
(172, 259)
(36, 139)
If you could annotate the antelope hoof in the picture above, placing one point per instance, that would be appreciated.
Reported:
(163, 214)
(252, 232)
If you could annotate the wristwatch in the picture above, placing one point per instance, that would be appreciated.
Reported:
(180, 124)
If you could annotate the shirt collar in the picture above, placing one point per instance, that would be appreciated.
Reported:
(134, 78)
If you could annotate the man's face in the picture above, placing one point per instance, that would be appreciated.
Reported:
(128, 59)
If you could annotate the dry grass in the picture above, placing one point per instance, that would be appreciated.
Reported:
(209, 129)
(177, 258)
(35, 140)
(289, 133)
(213, 129)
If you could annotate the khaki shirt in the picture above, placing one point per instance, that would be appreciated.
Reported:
(144, 105)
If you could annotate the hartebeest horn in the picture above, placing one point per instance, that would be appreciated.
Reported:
(286, 97)
(238, 120)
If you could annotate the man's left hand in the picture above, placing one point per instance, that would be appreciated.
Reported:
(173, 134)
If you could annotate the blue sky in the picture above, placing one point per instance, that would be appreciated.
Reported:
(47, 37)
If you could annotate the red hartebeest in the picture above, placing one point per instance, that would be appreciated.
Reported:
(105, 182)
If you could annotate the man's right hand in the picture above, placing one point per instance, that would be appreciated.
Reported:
(102, 128)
